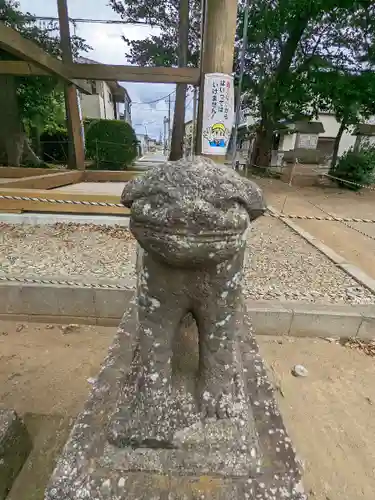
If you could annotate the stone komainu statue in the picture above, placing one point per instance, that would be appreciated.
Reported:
(191, 219)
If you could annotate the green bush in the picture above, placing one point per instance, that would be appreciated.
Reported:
(54, 146)
(112, 144)
(356, 167)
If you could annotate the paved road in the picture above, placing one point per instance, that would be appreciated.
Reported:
(344, 239)
(149, 159)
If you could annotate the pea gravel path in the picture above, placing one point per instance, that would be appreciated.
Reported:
(280, 264)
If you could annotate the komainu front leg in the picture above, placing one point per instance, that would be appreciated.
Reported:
(220, 373)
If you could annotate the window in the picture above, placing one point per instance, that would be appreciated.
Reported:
(94, 87)
(110, 97)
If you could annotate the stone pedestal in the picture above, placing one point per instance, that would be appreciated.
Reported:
(182, 409)
(15, 446)
(207, 460)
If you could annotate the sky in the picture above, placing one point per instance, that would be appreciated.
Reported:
(109, 48)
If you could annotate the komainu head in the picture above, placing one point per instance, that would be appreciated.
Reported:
(192, 212)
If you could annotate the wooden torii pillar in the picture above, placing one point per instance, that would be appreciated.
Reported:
(76, 143)
(217, 54)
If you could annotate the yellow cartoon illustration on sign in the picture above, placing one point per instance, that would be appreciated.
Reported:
(217, 135)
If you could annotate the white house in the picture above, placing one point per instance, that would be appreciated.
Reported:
(143, 144)
(106, 99)
(287, 141)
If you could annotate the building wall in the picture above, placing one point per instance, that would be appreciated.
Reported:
(331, 127)
(91, 104)
(109, 112)
(127, 110)
(287, 142)
(99, 105)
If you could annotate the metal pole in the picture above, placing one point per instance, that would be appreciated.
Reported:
(195, 97)
(169, 123)
(239, 86)
(165, 135)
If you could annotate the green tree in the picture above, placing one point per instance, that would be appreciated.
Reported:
(292, 45)
(161, 49)
(295, 47)
(349, 96)
(177, 44)
(29, 104)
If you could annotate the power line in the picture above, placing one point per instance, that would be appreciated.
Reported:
(156, 100)
(97, 21)
(188, 104)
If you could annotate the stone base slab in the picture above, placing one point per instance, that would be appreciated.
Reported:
(92, 468)
(15, 446)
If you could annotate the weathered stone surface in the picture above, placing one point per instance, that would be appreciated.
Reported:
(15, 445)
(92, 468)
(183, 408)
(190, 218)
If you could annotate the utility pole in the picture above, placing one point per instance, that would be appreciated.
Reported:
(239, 86)
(165, 135)
(219, 31)
(169, 123)
(76, 145)
(178, 132)
(195, 97)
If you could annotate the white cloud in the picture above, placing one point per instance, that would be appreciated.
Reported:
(109, 48)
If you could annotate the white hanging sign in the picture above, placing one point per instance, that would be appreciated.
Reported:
(218, 113)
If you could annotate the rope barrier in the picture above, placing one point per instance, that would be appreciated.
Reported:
(35, 281)
(68, 202)
(348, 182)
(328, 217)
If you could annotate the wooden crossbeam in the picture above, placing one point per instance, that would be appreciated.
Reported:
(14, 43)
(108, 72)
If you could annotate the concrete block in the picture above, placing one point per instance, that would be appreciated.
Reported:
(269, 318)
(310, 321)
(111, 304)
(54, 300)
(10, 298)
(328, 252)
(359, 276)
(15, 446)
(62, 320)
(367, 329)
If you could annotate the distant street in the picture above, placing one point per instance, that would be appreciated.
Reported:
(149, 159)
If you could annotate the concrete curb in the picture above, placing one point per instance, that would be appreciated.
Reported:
(36, 219)
(349, 268)
(105, 307)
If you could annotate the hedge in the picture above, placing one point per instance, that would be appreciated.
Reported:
(356, 167)
(54, 146)
(112, 144)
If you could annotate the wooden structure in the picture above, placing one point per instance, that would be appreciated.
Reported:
(40, 183)
(35, 61)
(217, 55)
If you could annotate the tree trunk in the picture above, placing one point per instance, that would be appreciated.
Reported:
(337, 145)
(271, 100)
(262, 150)
(178, 130)
(11, 131)
(13, 140)
(29, 157)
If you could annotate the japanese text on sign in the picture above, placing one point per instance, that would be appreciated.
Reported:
(218, 113)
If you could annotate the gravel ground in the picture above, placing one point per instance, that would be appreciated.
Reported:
(280, 264)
